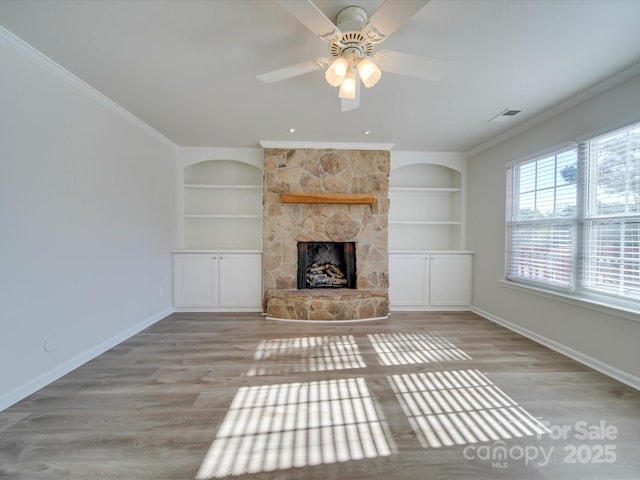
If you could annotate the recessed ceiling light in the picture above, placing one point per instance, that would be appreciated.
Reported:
(292, 130)
(366, 132)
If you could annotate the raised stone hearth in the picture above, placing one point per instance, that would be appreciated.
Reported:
(327, 304)
(355, 185)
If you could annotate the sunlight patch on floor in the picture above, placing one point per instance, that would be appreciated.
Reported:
(306, 354)
(277, 427)
(460, 407)
(414, 348)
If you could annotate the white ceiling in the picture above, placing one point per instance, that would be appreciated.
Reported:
(188, 68)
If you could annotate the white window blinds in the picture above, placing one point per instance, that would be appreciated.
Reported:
(573, 218)
(612, 218)
(541, 226)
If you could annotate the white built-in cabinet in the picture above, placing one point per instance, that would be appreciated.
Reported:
(430, 281)
(429, 269)
(219, 264)
(223, 281)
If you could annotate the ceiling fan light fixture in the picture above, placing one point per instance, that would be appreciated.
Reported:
(348, 87)
(352, 40)
(369, 72)
(337, 71)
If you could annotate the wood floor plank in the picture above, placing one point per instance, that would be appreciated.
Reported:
(155, 405)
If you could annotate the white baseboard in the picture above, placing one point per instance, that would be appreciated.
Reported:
(421, 308)
(217, 309)
(605, 368)
(58, 371)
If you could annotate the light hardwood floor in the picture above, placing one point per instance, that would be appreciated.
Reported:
(418, 396)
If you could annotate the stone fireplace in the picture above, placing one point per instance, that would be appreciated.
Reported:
(327, 197)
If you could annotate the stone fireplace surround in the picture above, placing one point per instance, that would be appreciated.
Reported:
(285, 224)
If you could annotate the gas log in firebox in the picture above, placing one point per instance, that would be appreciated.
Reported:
(326, 265)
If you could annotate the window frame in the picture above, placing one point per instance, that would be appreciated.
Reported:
(580, 291)
(512, 205)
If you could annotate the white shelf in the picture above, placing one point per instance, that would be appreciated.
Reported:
(429, 252)
(217, 251)
(223, 187)
(423, 222)
(215, 215)
(425, 189)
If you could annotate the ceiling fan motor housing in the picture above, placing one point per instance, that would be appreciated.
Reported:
(350, 21)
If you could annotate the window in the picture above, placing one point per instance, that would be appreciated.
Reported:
(612, 217)
(573, 218)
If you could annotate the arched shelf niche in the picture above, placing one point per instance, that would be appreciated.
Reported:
(222, 204)
(427, 200)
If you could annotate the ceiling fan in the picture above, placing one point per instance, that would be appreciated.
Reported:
(351, 44)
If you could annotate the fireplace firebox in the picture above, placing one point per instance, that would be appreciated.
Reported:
(326, 265)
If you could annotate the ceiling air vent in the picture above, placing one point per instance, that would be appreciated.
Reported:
(506, 115)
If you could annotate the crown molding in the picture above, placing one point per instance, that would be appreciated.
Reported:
(22, 48)
(325, 145)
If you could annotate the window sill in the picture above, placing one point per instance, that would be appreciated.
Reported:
(625, 310)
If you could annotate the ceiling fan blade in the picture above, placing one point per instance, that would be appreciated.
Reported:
(347, 104)
(389, 17)
(312, 18)
(294, 70)
(412, 65)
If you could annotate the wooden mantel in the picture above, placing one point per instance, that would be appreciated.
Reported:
(344, 198)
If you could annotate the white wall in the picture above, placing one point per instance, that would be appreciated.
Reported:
(87, 219)
(604, 341)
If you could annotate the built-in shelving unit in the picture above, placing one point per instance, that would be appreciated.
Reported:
(222, 205)
(428, 266)
(426, 211)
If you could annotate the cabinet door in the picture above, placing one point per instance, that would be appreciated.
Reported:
(408, 280)
(240, 280)
(450, 280)
(195, 280)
